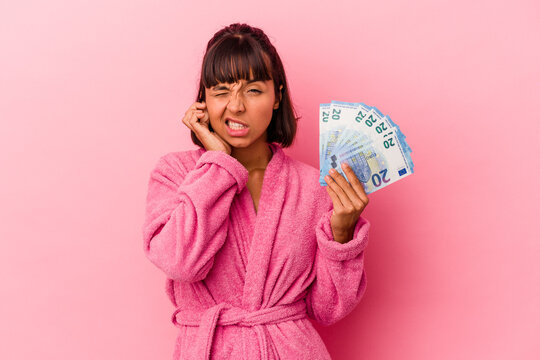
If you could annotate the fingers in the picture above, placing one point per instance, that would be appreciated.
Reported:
(355, 183)
(190, 119)
(199, 105)
(339, 188)
(335, 198)
(205, 118)
(196, 105)
(186, 122)
(352, 194)
(192, 115)
(194, 119)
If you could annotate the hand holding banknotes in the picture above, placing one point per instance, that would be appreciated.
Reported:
(349, 200)
(197, 119)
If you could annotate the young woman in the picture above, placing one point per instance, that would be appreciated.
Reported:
(252, 246)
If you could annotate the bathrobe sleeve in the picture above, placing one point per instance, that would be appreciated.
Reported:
(187, 212)
(340, 280)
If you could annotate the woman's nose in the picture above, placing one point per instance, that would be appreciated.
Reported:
(236, 103)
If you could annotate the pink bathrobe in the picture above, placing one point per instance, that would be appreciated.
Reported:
(243, 281)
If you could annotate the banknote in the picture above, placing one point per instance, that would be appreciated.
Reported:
(369, 141)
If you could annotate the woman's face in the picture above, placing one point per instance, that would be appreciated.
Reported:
(249, 102)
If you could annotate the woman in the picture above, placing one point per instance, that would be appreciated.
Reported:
(250, 242)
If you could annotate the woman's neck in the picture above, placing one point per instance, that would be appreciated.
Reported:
(257, 156)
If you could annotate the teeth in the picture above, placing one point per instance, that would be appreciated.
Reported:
(234, 125)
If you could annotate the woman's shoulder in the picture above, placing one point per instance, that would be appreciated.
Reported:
(179, 162)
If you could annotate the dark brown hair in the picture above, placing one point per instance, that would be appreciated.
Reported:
(231, 54)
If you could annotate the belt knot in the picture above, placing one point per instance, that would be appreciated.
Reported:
(224, 314)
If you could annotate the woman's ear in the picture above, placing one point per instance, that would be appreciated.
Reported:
(276, 104)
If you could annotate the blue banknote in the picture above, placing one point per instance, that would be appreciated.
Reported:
(369, 141)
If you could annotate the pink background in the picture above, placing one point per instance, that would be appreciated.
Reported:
(92, 93)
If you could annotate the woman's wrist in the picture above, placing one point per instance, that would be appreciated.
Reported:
(343, 237)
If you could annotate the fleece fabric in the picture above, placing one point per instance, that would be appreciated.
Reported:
(244, 283)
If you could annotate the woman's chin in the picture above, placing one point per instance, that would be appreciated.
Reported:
(237, 142)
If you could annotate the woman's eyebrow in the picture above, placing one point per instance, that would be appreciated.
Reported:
(224, 87)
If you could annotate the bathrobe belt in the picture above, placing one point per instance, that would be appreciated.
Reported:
(225, 314)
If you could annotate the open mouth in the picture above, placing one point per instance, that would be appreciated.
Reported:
(234, 125)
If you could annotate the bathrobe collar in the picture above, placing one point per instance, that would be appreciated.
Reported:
(265, 223)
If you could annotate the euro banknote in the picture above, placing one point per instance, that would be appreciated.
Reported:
(366, 139)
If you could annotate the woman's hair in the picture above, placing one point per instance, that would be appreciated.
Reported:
(231, 54)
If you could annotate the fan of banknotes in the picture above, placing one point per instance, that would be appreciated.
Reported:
(370, 142)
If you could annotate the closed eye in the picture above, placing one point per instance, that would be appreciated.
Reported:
(257, 91)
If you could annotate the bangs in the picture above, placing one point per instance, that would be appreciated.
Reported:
(235, 58)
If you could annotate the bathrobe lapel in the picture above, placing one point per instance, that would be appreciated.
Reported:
(265, 223)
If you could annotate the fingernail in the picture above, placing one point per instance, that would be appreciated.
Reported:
(345, 165)
(333, 171)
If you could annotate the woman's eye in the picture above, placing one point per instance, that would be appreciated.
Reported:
(220, 94)
(255, 90)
